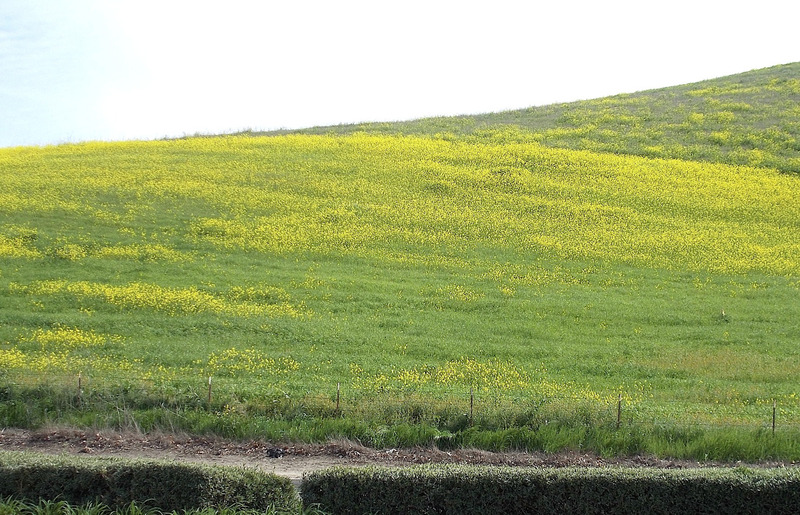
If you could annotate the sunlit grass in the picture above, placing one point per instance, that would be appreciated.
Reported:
(745, 119)
(340, 285)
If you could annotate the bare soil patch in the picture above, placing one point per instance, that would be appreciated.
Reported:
(292, 460)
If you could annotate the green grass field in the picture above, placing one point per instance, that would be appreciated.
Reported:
(500, 281)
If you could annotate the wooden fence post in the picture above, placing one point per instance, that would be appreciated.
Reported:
(774, 412)
(338, 391)
(471, 405)
(619, 409)
(80, 389)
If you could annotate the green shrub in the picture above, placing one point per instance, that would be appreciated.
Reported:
(163, 485)
(469, 489)
(11, 506)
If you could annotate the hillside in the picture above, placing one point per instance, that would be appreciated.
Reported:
(478, 289)
(751, 118)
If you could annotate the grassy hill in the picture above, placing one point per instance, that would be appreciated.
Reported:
(465, 284)
(751, 118)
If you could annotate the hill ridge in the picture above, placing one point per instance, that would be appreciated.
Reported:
(750, 118)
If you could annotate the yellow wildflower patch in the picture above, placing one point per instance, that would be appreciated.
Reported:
(465, 372)
(141, 252)
(12, 358)
(67, 338)
(171, 301)
(231, 362)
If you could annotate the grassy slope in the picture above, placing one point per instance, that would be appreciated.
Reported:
(749, 118)
(418, 259)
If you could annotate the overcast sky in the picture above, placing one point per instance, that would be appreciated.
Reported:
(76, 70)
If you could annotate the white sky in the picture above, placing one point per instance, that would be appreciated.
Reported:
(75, 70)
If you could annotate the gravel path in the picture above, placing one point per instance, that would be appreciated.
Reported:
(293, 460)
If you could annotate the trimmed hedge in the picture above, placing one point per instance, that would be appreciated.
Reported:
(158, 484)
(480, 490)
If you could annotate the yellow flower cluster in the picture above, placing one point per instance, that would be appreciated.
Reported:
(11, 358)
(465, 372)
(459, 293)
(493, 376)
(61, 361)
(17, 242)
(571, 391)
(17, 248)
(171, 301)
(263, 293)
(577, 204)
(68, 251)
(68, 338)
(141, 252)
(372, 195)
(232, 362)
(62, 349)
(514, 275)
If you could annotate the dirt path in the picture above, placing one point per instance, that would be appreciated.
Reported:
(293, 460)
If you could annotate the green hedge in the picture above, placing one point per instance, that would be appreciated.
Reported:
(470, 489)
(158, 484)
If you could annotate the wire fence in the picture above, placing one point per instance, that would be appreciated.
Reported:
(436, 404)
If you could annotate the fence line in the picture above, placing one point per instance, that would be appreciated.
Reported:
(476, 402)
